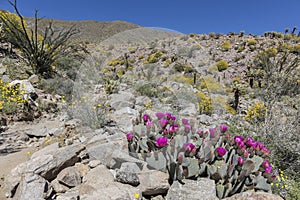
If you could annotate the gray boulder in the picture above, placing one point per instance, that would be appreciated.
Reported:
(99, 184)
(32, 186)
(69, 177)
(46, 165)
(204, 189)
(153, 182)
(121, 100)
(254, 195)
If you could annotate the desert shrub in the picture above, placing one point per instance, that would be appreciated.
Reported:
(204, 103)
(251, 42)
(147, 89)
(11, 98)
(279, 74)
(58, 85)
(210, 84)
(40, 51)
(256, 113)
(222, 65)
(225, 46)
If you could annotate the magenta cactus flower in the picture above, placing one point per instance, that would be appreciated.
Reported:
(185, 121)
(188, 146)
(146, 117)
(173, 128)
(268, 170)
(160, 115)
(223, 128)
(129, 136)
(221, 151)
(249, 141)
(238, 139)
(241, 161)
(148, 123)
(161, 142)
(265, 164)
(187, 127)
(163, 122)
(265, 151)
(173, 118)
(259, 146)
(168, 115)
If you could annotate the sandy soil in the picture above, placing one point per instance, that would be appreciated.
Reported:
(10, 161)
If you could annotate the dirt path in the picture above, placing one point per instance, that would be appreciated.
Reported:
(10, 161)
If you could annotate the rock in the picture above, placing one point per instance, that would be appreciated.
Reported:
(189, 110)
(153, 182)
(72, 194)
(3, 70)
(204, 189)
(122, 100)
(32, 186)
(48, 166)
(58, 187)
(94, 163)
(73, 123)
(99, 182)
(33, 79)
(111, 154)
(69, 177)
(46, 150)
(123, 118)
(255, 196)
(26, 87)
(129, 167)
(127, 178)
(82, 169)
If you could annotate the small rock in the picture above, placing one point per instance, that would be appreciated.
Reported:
(72, 194)
(58, 187)
(127, 178)
(153, 182)
(69, 177)
(204, 189)
(82, 169)
(33, 79)
(254, 195)
(94, 163)
(129, 167)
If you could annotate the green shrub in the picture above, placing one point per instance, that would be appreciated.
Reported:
(251, 42)
(225, 46)
(222, 65)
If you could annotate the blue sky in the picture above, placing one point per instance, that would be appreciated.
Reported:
(186, 16)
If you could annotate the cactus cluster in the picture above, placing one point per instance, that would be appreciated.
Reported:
(235, 163)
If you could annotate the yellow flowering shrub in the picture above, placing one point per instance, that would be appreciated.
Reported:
(11, 98)
(256, 112)
(222, 65)
(204, 103)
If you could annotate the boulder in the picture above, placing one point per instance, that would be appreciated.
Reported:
(32, 186)
(72, 194)
(122, 100)
(58, 187)
(127, 178)
(153, 182)
(204, 189)
(254, 195)
(46, 165)
(69, 177)
(99, 184)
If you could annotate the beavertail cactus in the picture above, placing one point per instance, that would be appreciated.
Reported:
(236, 163)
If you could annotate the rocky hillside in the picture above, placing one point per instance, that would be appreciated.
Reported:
(79, 127)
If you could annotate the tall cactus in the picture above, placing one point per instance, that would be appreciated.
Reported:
(235, 163)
